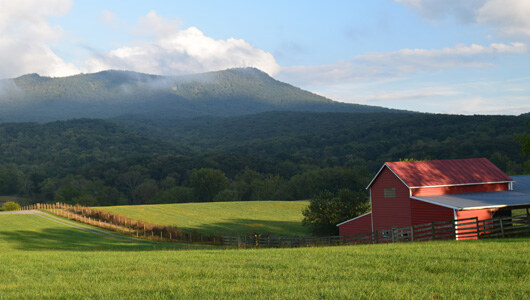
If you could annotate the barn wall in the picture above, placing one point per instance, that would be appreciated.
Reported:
(360, 225)
(433, 191)
(481, 214)
(423, 212)
(390, 212)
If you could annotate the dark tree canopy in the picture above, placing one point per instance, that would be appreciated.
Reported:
(327, 209)
(207, 183)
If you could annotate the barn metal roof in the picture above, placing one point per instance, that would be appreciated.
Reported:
(447, 172)
(519, 196)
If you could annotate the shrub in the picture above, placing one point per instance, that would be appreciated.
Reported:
(326, 210)
(10, 206)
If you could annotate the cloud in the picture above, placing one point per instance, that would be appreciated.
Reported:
(173, 51)
(26, 35)
(385, 65)
(510, 18)
(107, 17)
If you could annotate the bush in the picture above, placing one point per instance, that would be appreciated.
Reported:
(327, 210)
(10, 206)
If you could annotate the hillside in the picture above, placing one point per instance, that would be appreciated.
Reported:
(339, 139)
(114, 93)
(267, 156)
(283, 218)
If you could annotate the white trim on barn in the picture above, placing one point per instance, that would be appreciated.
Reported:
(385, 165)
(458, 184)
(354, 218)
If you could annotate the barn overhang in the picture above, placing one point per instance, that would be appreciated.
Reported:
(480, 200)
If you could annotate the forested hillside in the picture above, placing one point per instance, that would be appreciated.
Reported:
(268, 156)
(114, 93)
(345, 139)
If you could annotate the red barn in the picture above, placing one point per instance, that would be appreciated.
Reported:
(409, 193)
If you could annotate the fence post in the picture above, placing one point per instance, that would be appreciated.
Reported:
(502, 227)
(432, 231)
(392, 233)
(412, 233)
(527, 216)
(478, 228)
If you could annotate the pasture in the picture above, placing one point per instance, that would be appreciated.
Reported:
(230, 218)
(44, 259)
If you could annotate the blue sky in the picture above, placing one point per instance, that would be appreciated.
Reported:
(440, 56)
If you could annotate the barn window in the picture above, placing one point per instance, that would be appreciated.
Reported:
(390, 193)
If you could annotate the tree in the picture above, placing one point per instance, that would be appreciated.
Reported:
(524, 140)
(326, 210)
(207, 183)
(9, 206)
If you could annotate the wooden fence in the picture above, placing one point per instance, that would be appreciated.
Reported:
(460, 229)
(124, 225)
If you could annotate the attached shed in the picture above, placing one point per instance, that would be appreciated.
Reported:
(416, 192)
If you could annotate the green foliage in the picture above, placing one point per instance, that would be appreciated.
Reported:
(207, 183)
(9, 180)
(269, 156)
(10, 206)
(326, 210)
(524, 140)
(178, 194)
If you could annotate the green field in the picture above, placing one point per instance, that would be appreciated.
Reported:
(231, 218)
(43, 259)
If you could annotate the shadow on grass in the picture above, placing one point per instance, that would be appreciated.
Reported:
(74, 240)
(244, 226)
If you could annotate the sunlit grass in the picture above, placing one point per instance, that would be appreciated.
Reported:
(232, 218)
(78, 265)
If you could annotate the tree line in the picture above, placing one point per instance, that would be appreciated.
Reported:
(282, 155)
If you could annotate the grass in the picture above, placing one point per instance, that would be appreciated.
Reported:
(231, 218)
(42, 259)
(30, 232)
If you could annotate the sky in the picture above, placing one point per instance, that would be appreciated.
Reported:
(438, 56)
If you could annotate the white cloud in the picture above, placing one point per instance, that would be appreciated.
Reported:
(510, 18)
(173, 51)
(107, 17)
(384, 65)
(25, 35)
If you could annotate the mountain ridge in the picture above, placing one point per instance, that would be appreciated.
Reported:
(112, 93)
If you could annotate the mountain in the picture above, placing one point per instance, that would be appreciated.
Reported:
(114, 93)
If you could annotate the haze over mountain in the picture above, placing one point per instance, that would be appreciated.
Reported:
(114, 93)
